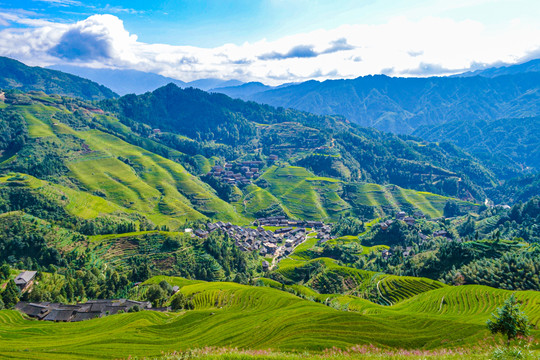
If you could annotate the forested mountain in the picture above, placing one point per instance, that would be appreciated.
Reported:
(329, 146)
(69, 164)
(401, 105)
(505, 144)
(104, 171)
(16, 75)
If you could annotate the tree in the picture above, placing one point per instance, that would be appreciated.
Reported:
(156, 295)
(4, 272)
(451, 209)
(179, 302)
(166, 287)
(509, 320)
(10, 296)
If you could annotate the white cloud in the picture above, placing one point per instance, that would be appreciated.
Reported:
(61, 2)
(400, 47)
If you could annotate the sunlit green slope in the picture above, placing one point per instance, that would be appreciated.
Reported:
(228, 314)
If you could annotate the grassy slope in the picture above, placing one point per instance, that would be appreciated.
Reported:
(304, 195)
(228, 314)
(163, 190)
(78, 203)
(150, 184)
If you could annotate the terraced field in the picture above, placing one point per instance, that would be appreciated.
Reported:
(398, 288)
(257, 201)
(304, 195)
(228, 314)
(290, 185)
(149, 184)
(393, 198)
(390, 289)
(129, 178)
(78, 203)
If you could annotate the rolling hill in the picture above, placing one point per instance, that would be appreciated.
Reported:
(233, 315)
(94, 167)
(131, 179)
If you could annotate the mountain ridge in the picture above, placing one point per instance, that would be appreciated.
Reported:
(16, 75)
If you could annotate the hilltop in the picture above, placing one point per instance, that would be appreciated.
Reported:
(16, 75)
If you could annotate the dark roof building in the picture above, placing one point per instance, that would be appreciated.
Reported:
(80, 312)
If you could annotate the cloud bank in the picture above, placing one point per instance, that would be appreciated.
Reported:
(400, 47)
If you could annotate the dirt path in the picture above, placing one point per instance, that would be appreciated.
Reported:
(381, 295)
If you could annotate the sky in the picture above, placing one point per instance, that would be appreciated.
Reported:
(273, 41)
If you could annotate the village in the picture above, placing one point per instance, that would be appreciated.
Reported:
(241, 173)
(85, 311)
(281, 242)
(274, 237)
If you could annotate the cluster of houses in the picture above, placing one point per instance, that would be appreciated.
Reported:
(284, 221)
(239, 173)
(266, 242)
(324, 234)
(278, 243)
(402, 215)
(79, 312)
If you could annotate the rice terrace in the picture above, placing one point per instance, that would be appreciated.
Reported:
(269, 180)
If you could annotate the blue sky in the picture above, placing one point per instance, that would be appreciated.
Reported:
(273, 40)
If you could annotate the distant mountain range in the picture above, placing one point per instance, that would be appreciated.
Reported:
(530, 66)
(398, 105)
(16, 75)
(137, 82)
(401, 105)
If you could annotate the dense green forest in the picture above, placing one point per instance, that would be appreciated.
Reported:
(509, 146)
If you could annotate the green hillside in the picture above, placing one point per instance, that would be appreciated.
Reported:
(307, 196)
(329, 146)
(94, 159)
(16, 75)
(99, 202)
(126, 176)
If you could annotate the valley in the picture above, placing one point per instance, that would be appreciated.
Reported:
(253, 228)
